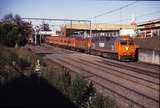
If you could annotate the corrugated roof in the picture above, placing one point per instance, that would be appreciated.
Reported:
(101, 26)
(148, 22)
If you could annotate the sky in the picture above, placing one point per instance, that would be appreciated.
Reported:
(82, 9)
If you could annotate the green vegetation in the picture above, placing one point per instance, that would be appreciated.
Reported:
(15, 61)
(14, 31)
(80, 91)
(103, 102)
(19, 61)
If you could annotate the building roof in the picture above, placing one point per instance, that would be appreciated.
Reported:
(149, 22)
(100, 26)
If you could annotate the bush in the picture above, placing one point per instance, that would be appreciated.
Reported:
(80, 91)
(13, 62)
(60, 78)
(7, 68)
(25, 58)
(101, 101)
(78, 88)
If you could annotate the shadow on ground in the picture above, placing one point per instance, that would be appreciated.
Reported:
(32, 91)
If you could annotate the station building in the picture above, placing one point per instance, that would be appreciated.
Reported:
(99, 29)
(149, 28)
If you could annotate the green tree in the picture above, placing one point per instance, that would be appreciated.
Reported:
(45, 27)
(13, 30)
(8, 18)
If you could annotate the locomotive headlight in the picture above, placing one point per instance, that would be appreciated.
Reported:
(126, 48)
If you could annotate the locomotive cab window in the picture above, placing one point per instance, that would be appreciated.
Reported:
(123, 42)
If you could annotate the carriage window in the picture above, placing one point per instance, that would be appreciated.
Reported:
(123, 42)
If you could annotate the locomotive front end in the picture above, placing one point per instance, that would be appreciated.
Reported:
(126, 49)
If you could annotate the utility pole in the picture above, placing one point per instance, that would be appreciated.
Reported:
(90, 29)
(70, 28)
(37, 29)
(120, 20)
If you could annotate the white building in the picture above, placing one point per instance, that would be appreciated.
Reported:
(130, 32)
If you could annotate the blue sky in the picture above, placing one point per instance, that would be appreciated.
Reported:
(82, 9)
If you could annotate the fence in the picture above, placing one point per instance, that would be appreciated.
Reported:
(149, 56)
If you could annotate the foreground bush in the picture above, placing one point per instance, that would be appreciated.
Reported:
(101, 101)
(80, 91)
(13, 62)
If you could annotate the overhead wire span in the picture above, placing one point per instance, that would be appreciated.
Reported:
(139, 16)
(111, 11)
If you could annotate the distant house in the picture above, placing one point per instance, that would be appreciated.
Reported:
(149, 28)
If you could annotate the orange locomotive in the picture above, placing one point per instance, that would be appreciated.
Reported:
(124, 46)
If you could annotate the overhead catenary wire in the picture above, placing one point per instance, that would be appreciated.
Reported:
(51, 19)
(139, 16)
(114, 10)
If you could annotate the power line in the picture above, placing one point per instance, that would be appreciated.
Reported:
(140, 16)
(117, 9)
(51, 19)
(149, 14)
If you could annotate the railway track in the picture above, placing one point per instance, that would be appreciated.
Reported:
(129, 76)
(117, 74)
(155, 74)
(151, 66)
(128, 85)
(133, 96)
(143, 68)
(151, 70)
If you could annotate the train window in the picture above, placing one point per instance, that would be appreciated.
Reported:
(122, 42)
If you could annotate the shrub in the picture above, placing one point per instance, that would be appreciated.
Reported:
(80, 91)
(25, 58)
(101, 101)
(13, 62)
